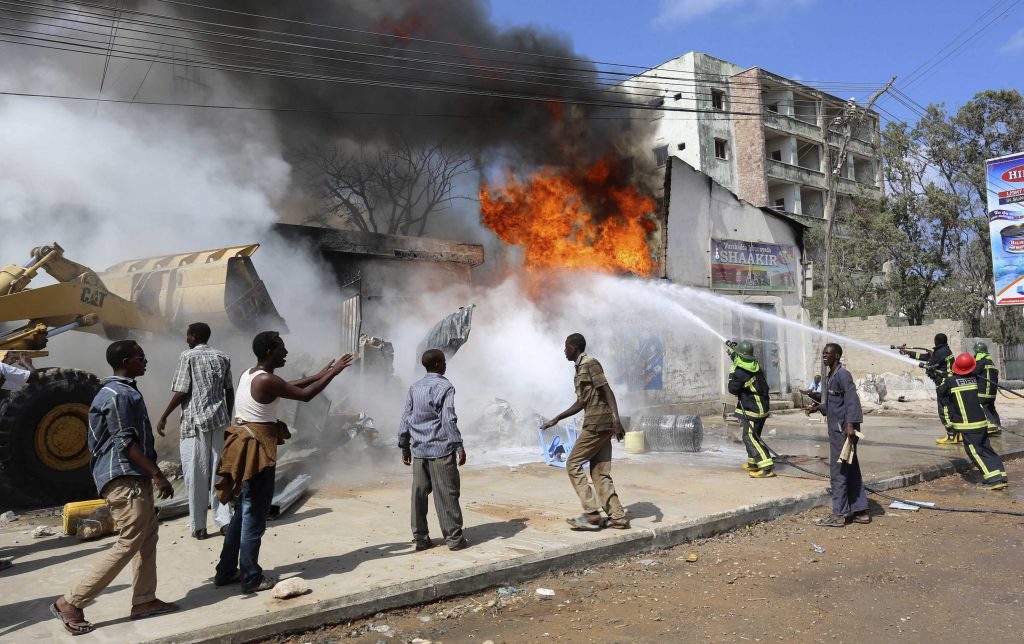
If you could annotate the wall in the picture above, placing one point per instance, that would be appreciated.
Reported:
(875, 330)
(695, 365)
(749, 144)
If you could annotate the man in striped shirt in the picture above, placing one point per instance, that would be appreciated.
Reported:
(431, 443)
(202, 388)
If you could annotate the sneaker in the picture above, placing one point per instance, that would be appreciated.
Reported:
(226, 580)
(461, 544)
(200, 534)
(766, 473)
(949, 439)
(265, 584)
(424, 544)
(584, 522)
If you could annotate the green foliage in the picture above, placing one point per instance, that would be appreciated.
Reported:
(931, 228)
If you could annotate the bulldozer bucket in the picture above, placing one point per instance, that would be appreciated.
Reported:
(218, 286)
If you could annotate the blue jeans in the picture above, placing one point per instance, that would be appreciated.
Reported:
(242, 540)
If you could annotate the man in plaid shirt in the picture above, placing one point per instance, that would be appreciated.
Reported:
(202, 388)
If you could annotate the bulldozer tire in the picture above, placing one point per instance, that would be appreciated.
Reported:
(44, 454)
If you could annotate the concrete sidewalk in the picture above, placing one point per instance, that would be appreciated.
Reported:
(352, 542)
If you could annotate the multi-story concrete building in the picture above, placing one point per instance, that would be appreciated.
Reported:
(756, 133)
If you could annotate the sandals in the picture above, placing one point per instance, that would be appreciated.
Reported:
(72, 624)
(830, 522)
(582, 523)
(155, 607)
(861, 518)
(618, 524)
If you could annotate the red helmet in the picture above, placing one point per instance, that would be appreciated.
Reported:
(964, 364)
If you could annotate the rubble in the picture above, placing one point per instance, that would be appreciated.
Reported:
(876, 389)
(98, 524)
(42, 531)
(291, 587)
(171, 469)
(8, 517)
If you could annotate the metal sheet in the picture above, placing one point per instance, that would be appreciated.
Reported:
(351, 323)
(450, 333)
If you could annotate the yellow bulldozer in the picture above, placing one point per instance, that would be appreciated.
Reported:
(44, 456)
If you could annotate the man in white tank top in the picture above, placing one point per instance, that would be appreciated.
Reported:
(246, 472)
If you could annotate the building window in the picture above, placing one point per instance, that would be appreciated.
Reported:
(678, 96)
(661, 155)
(780, 204)
(777, 155)
(681, 146)
(721, 149)
(718, 99)
(773, 107)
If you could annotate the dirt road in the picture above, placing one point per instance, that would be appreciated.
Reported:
(921, 576)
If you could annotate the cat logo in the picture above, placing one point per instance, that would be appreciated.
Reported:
(93, 297)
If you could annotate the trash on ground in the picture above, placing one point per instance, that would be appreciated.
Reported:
(98, 524)
(42, 531)
(424, 618)
(648, 562)
(381, 628)
(509, 590)
(911, 505)
(291, 587)
(545, 593)
(818, 549)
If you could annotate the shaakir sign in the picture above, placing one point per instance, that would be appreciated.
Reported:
(752, 266)
(1006, 226)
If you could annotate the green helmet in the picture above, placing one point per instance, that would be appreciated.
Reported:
(980, 347)
(745, 350)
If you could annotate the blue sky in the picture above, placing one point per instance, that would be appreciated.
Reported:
(825, 40)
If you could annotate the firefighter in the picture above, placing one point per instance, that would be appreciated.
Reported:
(959, 393)
(936, 366)
(747, 382)
(988, 379)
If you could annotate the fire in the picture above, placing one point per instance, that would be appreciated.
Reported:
(589, 220)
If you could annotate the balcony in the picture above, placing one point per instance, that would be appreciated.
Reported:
(850, 187)
(795, 174)
(792, 125)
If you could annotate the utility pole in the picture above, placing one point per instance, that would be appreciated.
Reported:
(851, 118)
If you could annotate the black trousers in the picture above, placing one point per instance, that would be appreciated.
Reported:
(979, 451)
(942, 418)
(757, 450)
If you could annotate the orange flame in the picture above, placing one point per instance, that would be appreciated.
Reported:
(585, 221)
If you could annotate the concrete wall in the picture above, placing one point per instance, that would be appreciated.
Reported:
(875, 330)
(695, 365)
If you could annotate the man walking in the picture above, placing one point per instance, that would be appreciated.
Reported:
(841, 406)
(124, 469)
(937, 365)
(249, 458)
(202, 388)
(431, 443)
(987, 377)
(959, 393)
(601, 422)
(748, 383)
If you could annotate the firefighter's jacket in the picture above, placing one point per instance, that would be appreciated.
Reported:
(989, 376)
(748, 384)
(960, 404)
(939, 361)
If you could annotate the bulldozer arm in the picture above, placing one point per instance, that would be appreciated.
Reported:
(220, 287)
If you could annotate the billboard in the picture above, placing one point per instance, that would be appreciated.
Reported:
(753, 266)
(1005, 178)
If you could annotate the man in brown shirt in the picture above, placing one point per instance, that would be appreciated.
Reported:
(600, 423)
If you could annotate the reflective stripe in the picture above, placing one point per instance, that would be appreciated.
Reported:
(751, 414)
(986, 473)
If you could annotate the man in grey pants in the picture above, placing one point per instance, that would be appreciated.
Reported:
(202, 388)
(431, 443)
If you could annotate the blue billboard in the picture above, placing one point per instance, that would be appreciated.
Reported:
(1005, 178)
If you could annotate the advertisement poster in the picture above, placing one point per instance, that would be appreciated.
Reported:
(753, 266)
(1005, 177)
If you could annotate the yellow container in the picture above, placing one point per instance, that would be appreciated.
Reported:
(635, 443)
(74, 512)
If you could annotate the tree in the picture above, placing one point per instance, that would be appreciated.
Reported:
(394, 189)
